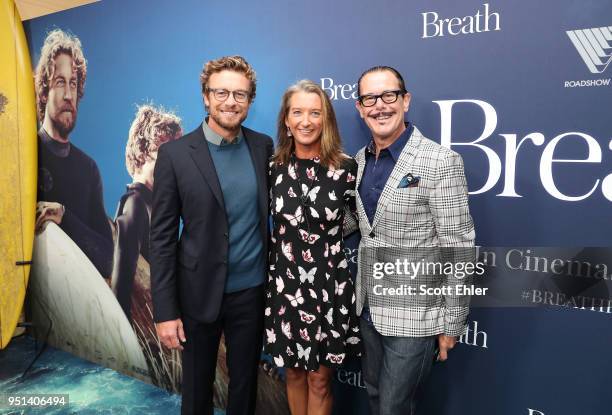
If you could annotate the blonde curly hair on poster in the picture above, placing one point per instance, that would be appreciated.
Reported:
(56, 43)
(152, 127)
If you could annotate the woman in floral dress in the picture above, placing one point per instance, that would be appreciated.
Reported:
(310, 321)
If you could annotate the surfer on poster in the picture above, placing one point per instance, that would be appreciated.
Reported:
(151, 128)
(69, 183)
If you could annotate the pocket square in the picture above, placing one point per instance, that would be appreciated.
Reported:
(409, 181)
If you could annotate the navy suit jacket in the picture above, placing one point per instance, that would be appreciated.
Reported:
(188, 273)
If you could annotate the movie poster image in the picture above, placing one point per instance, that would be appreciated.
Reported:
(91, 280)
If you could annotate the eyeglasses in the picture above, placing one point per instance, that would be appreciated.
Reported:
(223, 94)
(388, 97)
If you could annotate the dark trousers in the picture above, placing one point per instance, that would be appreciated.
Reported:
(394, 369)
(241, 320)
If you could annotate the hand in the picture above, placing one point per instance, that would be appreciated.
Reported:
(445, 343)
(170, 332)
(48, 211)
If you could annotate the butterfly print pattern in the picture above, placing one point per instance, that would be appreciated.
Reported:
(310, 302)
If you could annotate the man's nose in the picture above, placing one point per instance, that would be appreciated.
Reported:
(380, 104)
(68, 93)
(230, 99)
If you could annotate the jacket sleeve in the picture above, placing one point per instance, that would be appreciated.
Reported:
(269, 155)
(350, 223)
(165, 220)
(455, 231)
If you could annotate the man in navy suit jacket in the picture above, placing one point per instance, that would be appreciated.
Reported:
(209, 280)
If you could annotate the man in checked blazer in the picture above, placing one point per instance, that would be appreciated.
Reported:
(411, 195)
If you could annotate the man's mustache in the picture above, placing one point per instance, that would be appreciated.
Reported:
(383, 113)
(68, 108)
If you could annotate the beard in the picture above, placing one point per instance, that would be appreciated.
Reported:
(64, 123)
(222, 122)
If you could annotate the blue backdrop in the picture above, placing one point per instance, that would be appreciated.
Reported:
(502, 73)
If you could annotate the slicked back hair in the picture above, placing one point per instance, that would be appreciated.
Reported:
(382, 68)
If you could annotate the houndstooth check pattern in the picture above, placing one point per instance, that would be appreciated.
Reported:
(432, 214)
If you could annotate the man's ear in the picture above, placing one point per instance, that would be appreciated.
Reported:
(407, 98)
(359, 108)
(206, 102)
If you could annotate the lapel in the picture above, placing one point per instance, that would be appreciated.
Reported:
(399, 170)
(200, 154)
(259, 158)
(360, 159)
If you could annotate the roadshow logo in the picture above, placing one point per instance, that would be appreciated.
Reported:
(595, 48)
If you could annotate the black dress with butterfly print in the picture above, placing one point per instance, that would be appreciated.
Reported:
(310, 300)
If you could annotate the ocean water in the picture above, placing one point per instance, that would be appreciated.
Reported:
(92, 389)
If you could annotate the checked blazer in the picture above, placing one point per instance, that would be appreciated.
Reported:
(430, 216)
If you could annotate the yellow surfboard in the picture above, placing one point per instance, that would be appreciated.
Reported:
(18, 168)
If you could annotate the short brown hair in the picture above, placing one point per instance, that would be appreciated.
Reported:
(152, 127)
(234, 63)
(56, 43)
(331, 144)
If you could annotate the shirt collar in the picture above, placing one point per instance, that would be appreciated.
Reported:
(397, 147)
(214, 138)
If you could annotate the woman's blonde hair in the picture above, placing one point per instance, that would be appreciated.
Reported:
(331, 144)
